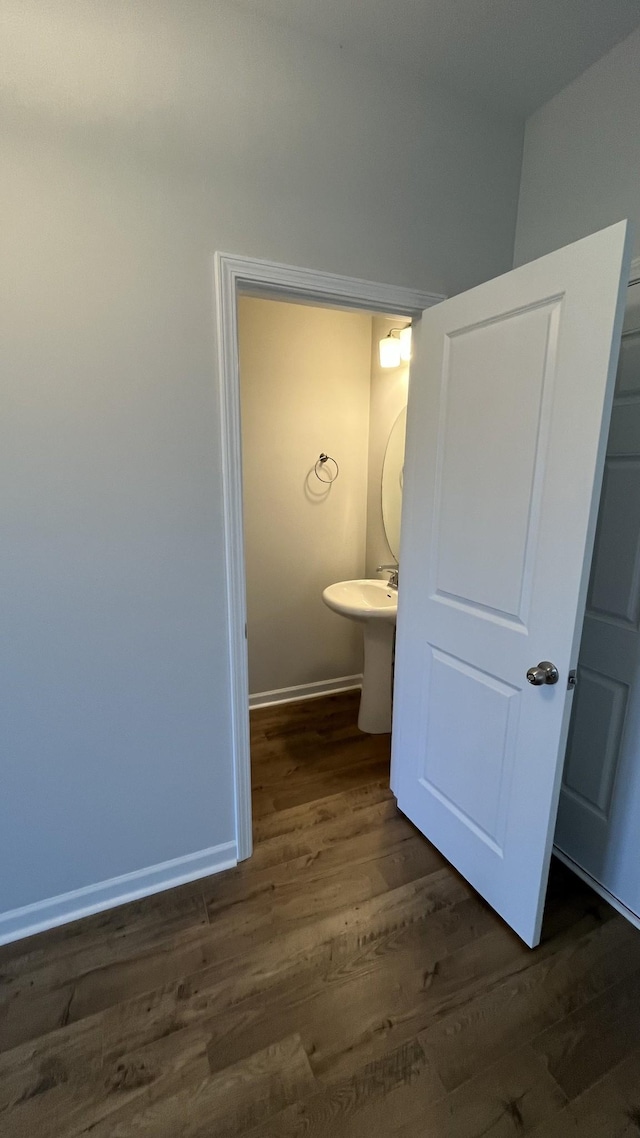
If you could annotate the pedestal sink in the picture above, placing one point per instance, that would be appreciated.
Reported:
(374, 603)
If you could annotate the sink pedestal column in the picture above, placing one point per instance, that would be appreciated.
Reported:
(375, 702)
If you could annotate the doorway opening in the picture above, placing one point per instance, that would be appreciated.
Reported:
(250, 283)
(323, 394)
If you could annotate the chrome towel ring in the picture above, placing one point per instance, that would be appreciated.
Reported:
(321, 469)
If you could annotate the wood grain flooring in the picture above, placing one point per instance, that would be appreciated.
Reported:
(345, 981)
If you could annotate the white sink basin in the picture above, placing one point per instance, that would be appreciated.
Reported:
(363, 600)
(375, 604)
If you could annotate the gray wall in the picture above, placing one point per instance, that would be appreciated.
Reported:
(581, 168)
(137, 139)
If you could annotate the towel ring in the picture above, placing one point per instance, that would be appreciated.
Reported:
(320, 466)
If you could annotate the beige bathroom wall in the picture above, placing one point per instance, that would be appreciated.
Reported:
(305, 376)
(389, 389)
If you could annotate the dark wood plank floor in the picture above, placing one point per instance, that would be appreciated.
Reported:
(344, 981)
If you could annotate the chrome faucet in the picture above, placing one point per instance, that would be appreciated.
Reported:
(393, 571)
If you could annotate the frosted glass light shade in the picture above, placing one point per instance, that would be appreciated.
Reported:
(389, 349)
(405, 344)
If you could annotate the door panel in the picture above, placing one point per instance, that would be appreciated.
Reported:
(614, 592)
(468, 759)
(594, 741)
(599, 809)
(510, 386)
(484, 524)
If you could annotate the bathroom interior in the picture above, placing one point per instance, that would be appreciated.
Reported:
(323, 395)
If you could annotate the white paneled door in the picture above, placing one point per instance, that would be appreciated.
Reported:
(600, 799)
(511, 388)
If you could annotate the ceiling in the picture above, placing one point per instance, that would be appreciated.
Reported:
(511, 54)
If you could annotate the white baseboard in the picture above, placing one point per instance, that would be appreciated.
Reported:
(619, 906)
(304, 691)
(35, 918)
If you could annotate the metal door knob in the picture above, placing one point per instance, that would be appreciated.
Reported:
(545, 673)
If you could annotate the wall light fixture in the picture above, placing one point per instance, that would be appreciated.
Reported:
(395, 347)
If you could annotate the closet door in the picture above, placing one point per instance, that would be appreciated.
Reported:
(599, 812)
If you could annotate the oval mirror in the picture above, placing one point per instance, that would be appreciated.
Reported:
(392, 474)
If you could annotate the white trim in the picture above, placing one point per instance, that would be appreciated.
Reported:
(619, 906)
(42, 915)
(289, 282)
(304, 691)
(233, 275)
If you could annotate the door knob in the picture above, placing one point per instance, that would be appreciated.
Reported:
(545, 673)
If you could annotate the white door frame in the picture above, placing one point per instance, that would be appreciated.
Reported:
(234, 275)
